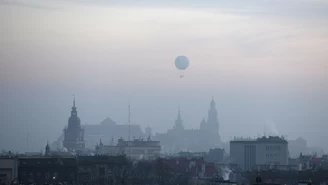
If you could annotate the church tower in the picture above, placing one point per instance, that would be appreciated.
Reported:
(212, 119)
(178, 122)
(203, 125)
(47, 151)
(74, 133)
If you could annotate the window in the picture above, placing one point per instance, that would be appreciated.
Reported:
(273, 148)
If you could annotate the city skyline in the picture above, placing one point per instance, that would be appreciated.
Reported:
(264, 62)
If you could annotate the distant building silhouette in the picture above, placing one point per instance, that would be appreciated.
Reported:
(178, 122)
(212, 125)
(137, 149)
(148, 132)
(108, 130)
(174, 140)
(47, 170)
(196, 140)
(74, 133)
(47, 150)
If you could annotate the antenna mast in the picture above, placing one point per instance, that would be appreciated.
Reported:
(27, 141)
(129, 120)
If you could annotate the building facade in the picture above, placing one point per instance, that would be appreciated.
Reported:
(46, 170)
(135, 149)
(250, 153)
(74, 133)
(99, 170)
(214, 155)
(8, 169)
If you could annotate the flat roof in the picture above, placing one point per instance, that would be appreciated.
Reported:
(270, 139)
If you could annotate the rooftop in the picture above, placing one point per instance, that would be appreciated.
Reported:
(264, 139)
(138, 142)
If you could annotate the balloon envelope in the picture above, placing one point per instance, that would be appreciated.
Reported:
(181, 62)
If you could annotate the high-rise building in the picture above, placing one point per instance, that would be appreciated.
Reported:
(252, 153)
(74, 133)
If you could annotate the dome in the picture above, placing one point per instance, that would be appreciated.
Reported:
(74, 120)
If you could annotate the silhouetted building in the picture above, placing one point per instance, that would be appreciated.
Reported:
(74, 133)
(195, 167)
(148, 132)
(297, 146)
(195, 140)
(178, 126)
(100, 169)
(215, 155)
(135, 149)
(173, 141)
(190, 155)
(212, 125)
(288, 177)
(46, 170)
(108, 130)
(47, 150)
(58, 153)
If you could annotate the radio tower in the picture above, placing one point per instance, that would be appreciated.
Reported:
(129, 120)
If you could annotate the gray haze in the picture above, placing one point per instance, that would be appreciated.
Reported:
(265, 63)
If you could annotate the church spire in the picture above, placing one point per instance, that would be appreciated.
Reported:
(212, 119)
(47, 152)
(203, 124)
(203, 121)
(74, 112)
(74, 133)
(212, 106)
(179, 121)
(179, 115)
(73, 100)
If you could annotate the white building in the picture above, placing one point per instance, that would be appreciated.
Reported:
(250, 153)
(8, 169)
(136, 149)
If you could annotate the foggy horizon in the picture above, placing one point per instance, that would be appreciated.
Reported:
(264, 62)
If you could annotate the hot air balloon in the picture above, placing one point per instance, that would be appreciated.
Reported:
(181, 63)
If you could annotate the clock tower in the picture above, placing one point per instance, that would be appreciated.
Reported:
(74, 133)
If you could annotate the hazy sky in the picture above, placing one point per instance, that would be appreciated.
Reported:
(264, 61)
